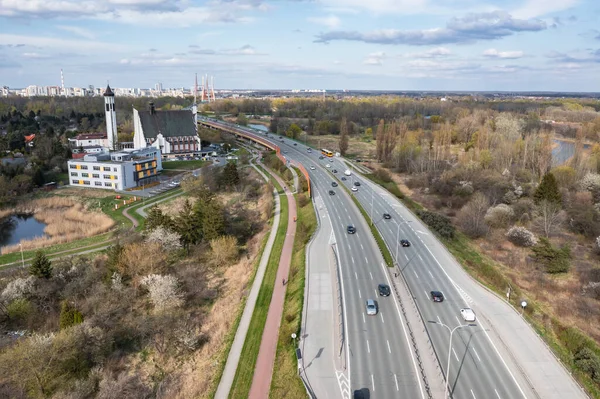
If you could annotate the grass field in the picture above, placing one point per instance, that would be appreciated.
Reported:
(245, 370)
(183, 165)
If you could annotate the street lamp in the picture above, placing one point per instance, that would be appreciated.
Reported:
(446, 393)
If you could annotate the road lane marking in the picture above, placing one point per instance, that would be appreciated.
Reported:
(361, 247)
(406, 256)
(368, 347)
(383, 321)
(366, 260)
(474, 351)
(373, 382)
(413, 270)
(457, 320)
(359, 295)
(497, 394)
(430, 273)
(473, 394)
(396, 379)
(371, 275)
(352, 259)
(389, 349)
(364, 320)
(355, 274)
(427, 296)
(455, 355)
(420, 258)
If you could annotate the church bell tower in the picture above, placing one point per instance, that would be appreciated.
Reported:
(111, 118)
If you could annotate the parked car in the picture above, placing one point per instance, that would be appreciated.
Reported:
(437, 296)
(468, 314)
(334, 171)
(384, 290)
(327, 166)
(405, 243)
(371, 307)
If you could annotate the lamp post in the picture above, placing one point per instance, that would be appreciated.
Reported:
(446, 393)
(398, 242)
(22, 259)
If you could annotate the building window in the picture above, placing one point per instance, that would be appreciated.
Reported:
(86, 182)
(96, 176)
(114, 169)
(106, 168)
(106, 176)
(107, 184)
(96, 167)
(85, 175)
(71, 166)
(97, 183)
(107, 108)
(84, 167)
(73, 173)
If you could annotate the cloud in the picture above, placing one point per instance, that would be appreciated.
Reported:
(376, 6)
(244, 50)
(374, 58)
(330, 21)
(493, 53)
(591, 57)
(468, 29)
(437, 52)
(537, 8)
(35, 56)
(60, 44)
(78, 31)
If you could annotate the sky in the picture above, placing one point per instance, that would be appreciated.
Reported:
(472, 45)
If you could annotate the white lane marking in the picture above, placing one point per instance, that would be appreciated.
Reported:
(427, 296)
(455, 355)
(497, 394)
(396, 379)
(457, 320)
(383, 321)
(352, 259)
(373, 382)
(415, 273)
(429, 271)
(388, 343)
(359, 295)
(473, 394)
(476, 354)
(364, 320)
(420, 258)
(368, 347)
(406, 256)
(361, 247)
(356, 275)
(440, 320)
(366, 260)
(371, 275)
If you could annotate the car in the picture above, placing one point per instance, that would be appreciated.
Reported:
(309, 150)
(405, 243)
(384, 290)
(321, 157)
(331, 192)
(334, 184)
(468, 314)
(351, 229)
(357, 183)
(334, 171)
(312, 167)
(331, 160)
(371, 307)
(295, 143)
(285, 151)
(437, 296)
(354, 189)
(327, 166)
(217, 161)
(387, 216)
(348, 172)
(343, 178)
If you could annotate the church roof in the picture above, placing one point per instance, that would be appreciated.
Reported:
(109, 92)
(169, 123)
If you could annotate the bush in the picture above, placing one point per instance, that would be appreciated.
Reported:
(224, 250)
(383, 175)
(303, 200)
(555, 260)
(521, 236)
(523, 209)
(590, 182)
(499, 216)
(169, 239)
(471, 216)
(164, 291)
(19, 309)
(18, 288)
(584, 219)
(588, 362)
(69, 316)
(438, 223)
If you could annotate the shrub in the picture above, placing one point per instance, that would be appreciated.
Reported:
(41, 267)
(555, 260)
(18, 288)
(584, 219)
(164, 291)
(471, 216)
(169, 239)
(383, 175)
(523, 208)
(303, 200)
(224, 250)
(590, 182)
(19, 309)
(499, 216)
(588, 362)
(565, 175)
(69, 315)
(521, 236)
(439, 223)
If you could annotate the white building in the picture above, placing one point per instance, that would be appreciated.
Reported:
(111, 118)
(117, 170)
(89, 140)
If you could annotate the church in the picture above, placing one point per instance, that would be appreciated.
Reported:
(172, 132)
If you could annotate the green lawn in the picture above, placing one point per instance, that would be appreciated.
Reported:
(183, 165)
(247, 362)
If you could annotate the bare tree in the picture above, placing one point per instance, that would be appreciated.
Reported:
(343, 142)
(549, 216)
(472, 216)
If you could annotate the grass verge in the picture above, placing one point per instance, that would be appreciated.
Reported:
(286, 383)
(245, 370)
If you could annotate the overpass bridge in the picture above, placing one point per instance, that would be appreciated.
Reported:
(252, 134)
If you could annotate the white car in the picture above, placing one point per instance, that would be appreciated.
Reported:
(312, 167)
(371, 307)
(347, 172)
(327, 166)
(355, 189)
(468, 314)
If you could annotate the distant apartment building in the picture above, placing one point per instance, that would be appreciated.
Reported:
(116, 170)
(88, 140)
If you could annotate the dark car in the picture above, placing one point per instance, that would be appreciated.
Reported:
(384, 290)
(437, 296)
(334, 171)
(343, 178)
(357, 183)
(405, 243)
(320, 156)
(295, 143)
(387, 216)
(334, 184)
(331, 192)
(351, 229)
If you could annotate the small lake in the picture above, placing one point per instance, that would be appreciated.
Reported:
(259, 127)
(15, 228)
(564, 151)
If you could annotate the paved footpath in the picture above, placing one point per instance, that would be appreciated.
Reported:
(263, 371)
(240, 335)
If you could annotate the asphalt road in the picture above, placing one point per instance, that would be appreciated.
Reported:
(380, 359)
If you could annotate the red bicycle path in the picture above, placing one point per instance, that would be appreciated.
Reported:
(263, 371)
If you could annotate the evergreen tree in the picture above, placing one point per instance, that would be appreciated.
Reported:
(41, 267)
(343, 144)
(213, 221)
(548, 190)
(230, 176)
(69, 315)
(157, 218)
(188, 224)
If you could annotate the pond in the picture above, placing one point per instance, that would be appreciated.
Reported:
(259, 127)
(563, 151)
(15, 228)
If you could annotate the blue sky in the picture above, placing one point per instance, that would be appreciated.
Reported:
(551, 45)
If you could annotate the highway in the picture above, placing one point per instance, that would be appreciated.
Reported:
(380, 358)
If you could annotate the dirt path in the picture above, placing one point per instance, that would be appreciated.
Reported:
(263, 371)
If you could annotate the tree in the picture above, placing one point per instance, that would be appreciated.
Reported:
(165, 237)
(380, 139)
(343, 142)
(293, 131)
(213, 221)
(242, 119)
(549, 216)
(548, 190)
(156, 218)
(41, 267)
(472, 216)
(555, 260)
(224, 250)
(522, 237)
(188, 224)
(229, 175)
(164, 291)
(69, 315)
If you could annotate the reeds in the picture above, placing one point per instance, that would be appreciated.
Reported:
(66, 220)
